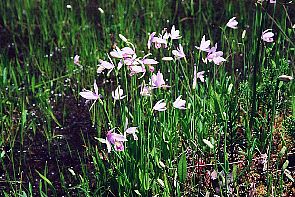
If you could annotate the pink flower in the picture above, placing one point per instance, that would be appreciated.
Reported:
(132, 131)
(200, 75)
(166, 36)
(118, 94)
(131, 60)
(215, 56)
(117, 53)
(115, 139)
(151, 40)
(122, 53)
(179, 103)
(158, 80)
(159, 41)
(149, 61)
(104, 65)
(204, 45)
(232, 23)
(160, 106)
(174, 35)
(136, 70)
(145, 91)
(267, 36)
(76, 60)
(179, 52)
(89, 95)
(127, 51)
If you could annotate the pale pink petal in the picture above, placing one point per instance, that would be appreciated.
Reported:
(232, 23)
(149, 61)
(88, 95)
(119, 137)
(160, 106)
(106, 64)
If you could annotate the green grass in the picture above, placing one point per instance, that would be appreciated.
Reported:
(236, 108)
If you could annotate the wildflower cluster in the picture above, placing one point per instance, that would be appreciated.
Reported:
(135, 64)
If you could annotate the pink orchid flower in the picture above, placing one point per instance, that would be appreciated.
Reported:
(232, 23)
(127, 51)
(131, 60)
(122, 53)
(76, 60)
(150, 62)
(118, 93)
(151, 40)
(174, 35)
(136, 70)
(267, 36)
(215, 56)
(179, 103)
(205, 45)
(145, 91)
(130, 130)
(104, 65)
(179, 52)
(158, 80)
(115, 139)
(200, 75)
(160, 106)
(89, 95)
(117, 53)
(159, 42)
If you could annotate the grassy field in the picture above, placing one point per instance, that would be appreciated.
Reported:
(90, 98)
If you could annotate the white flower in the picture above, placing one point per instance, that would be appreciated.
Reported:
(145, 91)
(174, 33)
(76, 60)
(118, 94)
(204, 46)
(232, 23)
(179, 103)
(179, 52)
(267, 35)
(104, 65)
(160, 106)
(132, 131)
